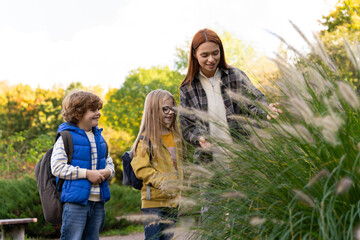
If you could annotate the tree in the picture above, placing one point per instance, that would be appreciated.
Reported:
(342, 23)
(344, 18)
(23, 108)
(124, 107)
(79, 86)
(28, 123)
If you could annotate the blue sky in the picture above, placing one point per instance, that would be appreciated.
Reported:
(47, 42)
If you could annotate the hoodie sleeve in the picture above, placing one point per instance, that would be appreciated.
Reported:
(190, 125)
(59, 166)
(144, 170)
(110, 166)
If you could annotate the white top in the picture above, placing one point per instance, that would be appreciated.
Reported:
(219, 127)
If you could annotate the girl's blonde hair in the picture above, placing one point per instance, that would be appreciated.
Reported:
(151, 124)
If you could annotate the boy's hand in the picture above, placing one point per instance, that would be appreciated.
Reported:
(94, 176)
(105, 172)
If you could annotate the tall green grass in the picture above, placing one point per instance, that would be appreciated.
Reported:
(295, 177)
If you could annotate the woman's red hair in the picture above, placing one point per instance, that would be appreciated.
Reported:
(204, 35)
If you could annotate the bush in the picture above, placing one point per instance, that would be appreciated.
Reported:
(124, 200)
(20, 199)
(19, 153)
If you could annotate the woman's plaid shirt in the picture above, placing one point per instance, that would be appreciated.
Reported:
(193, 97)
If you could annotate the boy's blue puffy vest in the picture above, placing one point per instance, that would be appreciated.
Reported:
(78, 191)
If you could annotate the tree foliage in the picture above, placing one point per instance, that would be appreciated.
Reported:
(124, 107)
(345, 17)
(342, 27)
(28, 123)
(23, 108)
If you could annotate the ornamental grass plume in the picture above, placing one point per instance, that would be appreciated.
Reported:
(357, 232)
(255, 221)
(330, 137)
(314, 179)
(349, 95)
(139, 218)
(344, 185)
(330, 122)
(233, 195)
(298, 106)
(295, 177)
(239, 97)
(353, 51)
(304, 197)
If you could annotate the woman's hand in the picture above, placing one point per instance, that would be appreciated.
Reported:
(274, 111)
(203, 143)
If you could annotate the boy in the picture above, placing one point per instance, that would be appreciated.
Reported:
(86, 188)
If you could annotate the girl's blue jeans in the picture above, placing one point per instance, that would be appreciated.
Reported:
(82, 221)
(160, 227)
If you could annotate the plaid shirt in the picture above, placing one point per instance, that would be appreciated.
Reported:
(194, 97)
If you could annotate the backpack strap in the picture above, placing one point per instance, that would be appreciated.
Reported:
(107, 150)
(143, 138)
(69, 149)
(68, 144)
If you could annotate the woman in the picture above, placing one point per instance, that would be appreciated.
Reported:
(205, 88)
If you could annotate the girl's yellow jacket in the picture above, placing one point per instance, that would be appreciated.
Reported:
(161, 169)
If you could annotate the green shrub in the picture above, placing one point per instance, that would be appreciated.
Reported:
(124, 200)
(19, 153)
(20, 199)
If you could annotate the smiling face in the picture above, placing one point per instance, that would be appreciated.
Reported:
(168, 116)
(90, 119)
(208, 57)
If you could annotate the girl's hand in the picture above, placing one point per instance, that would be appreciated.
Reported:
(203, 143)
(94, 176)
(274, 111)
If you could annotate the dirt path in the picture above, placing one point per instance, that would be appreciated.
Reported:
(135, 236)
(138, 236)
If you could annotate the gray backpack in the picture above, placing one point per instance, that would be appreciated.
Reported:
(49, 189)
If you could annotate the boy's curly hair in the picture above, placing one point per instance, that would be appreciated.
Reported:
(77, 102)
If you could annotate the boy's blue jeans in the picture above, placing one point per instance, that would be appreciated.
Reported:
(154, 228)
(82, 221)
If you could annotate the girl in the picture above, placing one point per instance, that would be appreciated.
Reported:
(159, 137)
(205, 88)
